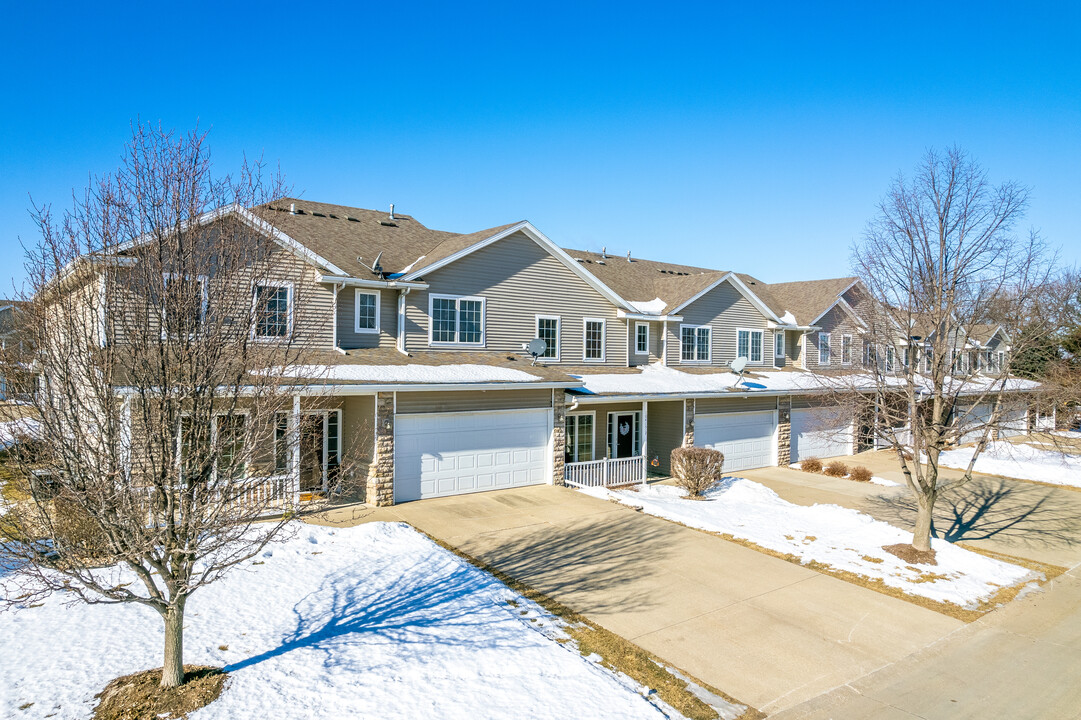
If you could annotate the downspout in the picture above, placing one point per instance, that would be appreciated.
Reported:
(664, 344)
(334, 318)
(400, 344)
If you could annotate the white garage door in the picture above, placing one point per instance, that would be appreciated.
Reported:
(820, 432)
(975, 418)
(745, 438)
(1014, 421)
(439, 454)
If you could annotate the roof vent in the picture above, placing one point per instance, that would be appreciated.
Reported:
(604, 252)
(579, 260)
(292, 208)
(628, 256)
(392, 212)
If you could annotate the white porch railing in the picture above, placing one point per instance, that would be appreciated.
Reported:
(271, 495)
(605, 472)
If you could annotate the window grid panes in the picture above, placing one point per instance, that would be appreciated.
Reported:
(823, 348)
(778, 344)
(366, 311)
(469, 321)
(846, 349)
(641, 339)
(594, 340)
(231, 465)
(271, 311)
(749, 345)
(694, 344)
(548, 331)
(444, 319)
(579, 438)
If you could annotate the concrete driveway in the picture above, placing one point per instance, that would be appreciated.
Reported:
(768, 632)
(1030, 520)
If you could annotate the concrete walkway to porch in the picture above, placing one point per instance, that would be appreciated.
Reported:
(768, 632)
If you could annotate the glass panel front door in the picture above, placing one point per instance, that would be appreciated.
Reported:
(312, 449)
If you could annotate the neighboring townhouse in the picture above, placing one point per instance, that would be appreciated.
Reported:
(421, 337)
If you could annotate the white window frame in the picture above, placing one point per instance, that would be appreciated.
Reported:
(203, 285)
(604, 339)
(559, 333)
(357, 292)
(213, 442)
(750, 344)
(592, 435)
(709, 344)
(1000, 356)
(846, 344)
(278, 285)
(432, 297)
(778, 335)
(891, 359)
(637, 349)
(828, 338)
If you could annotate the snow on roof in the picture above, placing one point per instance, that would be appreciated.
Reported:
(658, 379)
(410, 373)
(788, 318)
(655, 306)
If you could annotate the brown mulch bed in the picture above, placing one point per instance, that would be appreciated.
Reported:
(911, 555)
(139, 697)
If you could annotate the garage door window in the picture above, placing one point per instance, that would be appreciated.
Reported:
(579, 438)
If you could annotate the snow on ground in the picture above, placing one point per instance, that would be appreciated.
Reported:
(371, 621)
(12, 429)
(1075, 434)
(1020, 461)
(884, 482)
(832, 535)
(410, 373)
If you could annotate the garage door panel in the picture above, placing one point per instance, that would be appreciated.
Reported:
(820, 432)
(449, 454)
(745, 438)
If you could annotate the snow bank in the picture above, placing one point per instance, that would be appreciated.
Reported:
(12, 429)
(372, 621)
(410, 373)
(832, 535)
(1024, 462)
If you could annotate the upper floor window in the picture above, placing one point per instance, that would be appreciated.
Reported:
(695, 343)
(846, 349)
(823, 348)
(548, 331)
(273, 310)
(184, 304)
(928, 358)
(749, 344)
(641, 338)
(456, 320)
(1001, 361)
(593, 340)
(365, 311)
(890, 358)
(778, 345)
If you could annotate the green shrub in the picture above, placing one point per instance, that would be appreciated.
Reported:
(696, 470)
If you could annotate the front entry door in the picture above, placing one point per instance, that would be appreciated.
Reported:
(625, 435)
(312, 452)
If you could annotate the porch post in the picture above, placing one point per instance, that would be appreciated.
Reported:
(645, 444)
(294, 449)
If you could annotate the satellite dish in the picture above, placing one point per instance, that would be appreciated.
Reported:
(536, 348)
(738, 366)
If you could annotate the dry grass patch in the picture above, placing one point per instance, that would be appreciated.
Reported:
(618, 653)
(139, 697)
(811, 465)
(836, 469)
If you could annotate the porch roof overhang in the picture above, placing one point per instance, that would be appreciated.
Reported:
(588, 399)
(624, 315)
(336, 389)
(351, 281)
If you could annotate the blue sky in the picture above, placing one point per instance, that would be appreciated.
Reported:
(748, 136)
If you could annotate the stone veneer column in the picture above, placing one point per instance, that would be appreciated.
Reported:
(784, 431)
(559, 435)
(688, 422)
(380, 487)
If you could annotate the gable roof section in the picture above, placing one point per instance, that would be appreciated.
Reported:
(807, 300)
(465, 245)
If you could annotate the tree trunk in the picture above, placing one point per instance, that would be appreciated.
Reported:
(921, 534)
(172, 671)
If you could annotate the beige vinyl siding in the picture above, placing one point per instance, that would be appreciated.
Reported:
(837, 322)
(656, 341)
(349, 338)
(656, 337)
(519, 280)
(724, 309)
(705, 406)
(358, 429)
(472, 400)
(665, 432)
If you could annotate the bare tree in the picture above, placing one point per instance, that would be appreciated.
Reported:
(169, 445)
(955, 295)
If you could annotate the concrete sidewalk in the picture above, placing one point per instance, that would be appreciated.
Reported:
(1034, 521)
(1022, 661)
(768, 632)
